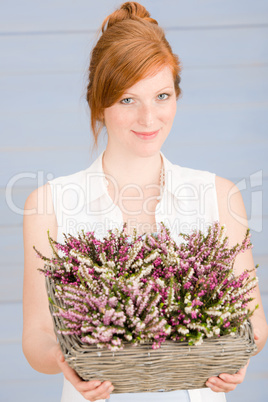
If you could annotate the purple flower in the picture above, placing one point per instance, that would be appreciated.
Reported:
(147, 288)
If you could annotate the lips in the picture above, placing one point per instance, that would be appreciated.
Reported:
(146, 134)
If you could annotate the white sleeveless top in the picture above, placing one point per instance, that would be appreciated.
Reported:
(189, 201)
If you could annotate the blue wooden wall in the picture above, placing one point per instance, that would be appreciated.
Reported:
(221, 126)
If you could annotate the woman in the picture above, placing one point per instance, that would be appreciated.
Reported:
(132, 91)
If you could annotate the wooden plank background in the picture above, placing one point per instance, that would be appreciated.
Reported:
(221, 126)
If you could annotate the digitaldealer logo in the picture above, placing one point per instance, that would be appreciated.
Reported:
(255, 213)
(188, 200)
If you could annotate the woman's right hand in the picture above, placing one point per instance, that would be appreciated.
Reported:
(90, 390)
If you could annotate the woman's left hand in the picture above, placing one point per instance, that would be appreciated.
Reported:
(227, 382)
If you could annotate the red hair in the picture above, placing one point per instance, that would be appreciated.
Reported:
(132, 46)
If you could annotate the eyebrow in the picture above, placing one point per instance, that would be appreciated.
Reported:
(160, 90)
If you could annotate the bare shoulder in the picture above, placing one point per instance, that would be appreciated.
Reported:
(40, 197)
(227, 191)
(39, 218)
(39, 209)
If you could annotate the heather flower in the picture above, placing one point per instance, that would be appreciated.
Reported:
(148, 288)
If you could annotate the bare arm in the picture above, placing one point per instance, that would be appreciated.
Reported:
(231, 205)
(39, 342)
(38, 339)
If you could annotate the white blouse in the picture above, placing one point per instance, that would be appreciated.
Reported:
(188, 202)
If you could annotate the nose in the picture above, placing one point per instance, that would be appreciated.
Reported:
(146, 115)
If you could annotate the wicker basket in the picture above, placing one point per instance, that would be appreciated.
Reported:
(173, 367)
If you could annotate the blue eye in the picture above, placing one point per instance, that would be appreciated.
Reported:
(126, 101)
(163, 96)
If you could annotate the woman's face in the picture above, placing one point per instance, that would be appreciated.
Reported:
(140, 121)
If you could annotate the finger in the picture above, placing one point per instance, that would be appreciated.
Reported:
(236, 378)
(246, 366)
(243, 369)
(66, 369)
(102, 392)
(92, 396)
(87, 386)
(74, 378)
(89, 389)
(232, 378)
(106, 395)
(225, 388)
(218, 385)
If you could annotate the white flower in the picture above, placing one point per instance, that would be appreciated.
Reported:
(138, 263)
(225, 315)
(213, 311)
(216, 330)
(182, 330)
(128, 337)
(151, 257)
(145, 272)
(82, 258)
(102, 257)
(160, 282)
(67, 266)
(111, 264)
(188, 309)
(199, 342)
(187, 298)
(133, 253)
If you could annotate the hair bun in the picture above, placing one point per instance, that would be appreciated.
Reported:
(129, 10)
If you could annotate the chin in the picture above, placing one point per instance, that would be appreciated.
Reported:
(147, 151)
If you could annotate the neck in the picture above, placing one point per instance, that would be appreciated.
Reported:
(132, 170)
